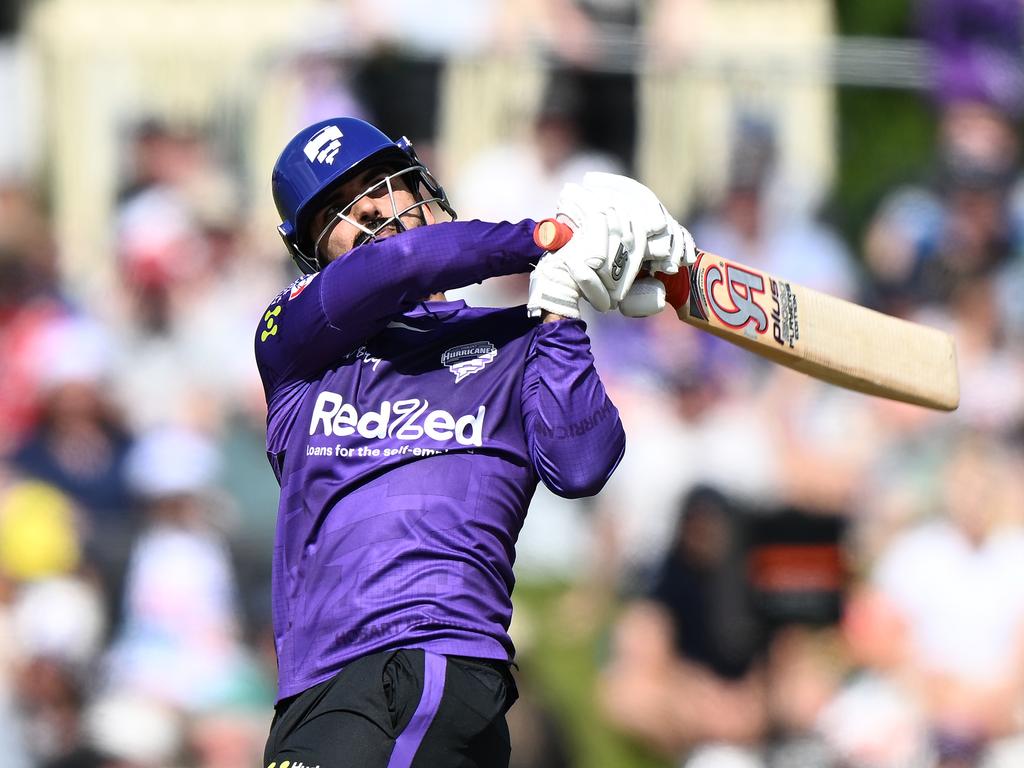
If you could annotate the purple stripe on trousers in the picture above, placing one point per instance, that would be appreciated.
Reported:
(409, 741)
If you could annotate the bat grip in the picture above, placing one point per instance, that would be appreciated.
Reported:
(551, 234)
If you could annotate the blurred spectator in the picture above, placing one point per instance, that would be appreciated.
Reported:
(690, 405)
(51, 698)
(126, 730)
(875, 718)
(190, 298)
(327, 57)
(531, 176)
(252, 494)
(804, 667)
(228, 738)
(597, 44)
(79, 443)
(683, 667)
(29, 300)
(59, 626)
(733, 655)
(536, 729)
(975, 48)
(180, 639)
(62, 619)
(39, 532)
(991, 366)
(944, 617)
(79, 446)
(160, 155)
(927, 239)
(753, 225)
(405, 46)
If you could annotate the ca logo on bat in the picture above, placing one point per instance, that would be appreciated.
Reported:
(740, 287)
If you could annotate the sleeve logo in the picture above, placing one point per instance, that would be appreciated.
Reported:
(270, 329)
(300, 285)
(467, 359)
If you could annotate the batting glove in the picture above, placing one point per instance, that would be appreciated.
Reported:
(554, 287)
(662, 244)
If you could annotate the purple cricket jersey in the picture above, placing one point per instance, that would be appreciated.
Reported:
(408, 437)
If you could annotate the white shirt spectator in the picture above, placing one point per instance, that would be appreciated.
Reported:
(964, 603)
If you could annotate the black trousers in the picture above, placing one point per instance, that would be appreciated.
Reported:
(398, 709)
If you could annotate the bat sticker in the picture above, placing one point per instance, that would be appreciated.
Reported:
(738, 307)
(698, 302)
(785, 319)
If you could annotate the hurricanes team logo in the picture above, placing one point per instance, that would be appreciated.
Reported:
(467, 359)
(324, 145)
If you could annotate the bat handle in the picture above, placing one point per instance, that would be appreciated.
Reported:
(551, 234)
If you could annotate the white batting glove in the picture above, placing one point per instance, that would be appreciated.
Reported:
(600, 252)
(553, 287)
(667, 246)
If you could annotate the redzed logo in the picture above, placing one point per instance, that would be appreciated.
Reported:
(400, 420)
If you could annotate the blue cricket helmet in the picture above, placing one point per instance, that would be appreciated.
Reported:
(324, 155)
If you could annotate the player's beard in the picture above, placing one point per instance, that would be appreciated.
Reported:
(409, 220)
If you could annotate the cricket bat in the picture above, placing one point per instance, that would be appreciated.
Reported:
(828, 338)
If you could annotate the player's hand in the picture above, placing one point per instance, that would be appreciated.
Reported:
(554, 287)
(602, 244)
(663, 244)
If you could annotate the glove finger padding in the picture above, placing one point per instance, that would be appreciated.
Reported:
(582, 208)
(671, 250)
(639, 213)
(661, 242)
(599, 242)
(646, 211)
(645, 297)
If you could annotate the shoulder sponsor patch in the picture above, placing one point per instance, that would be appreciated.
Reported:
(467, 359)
(300, 285)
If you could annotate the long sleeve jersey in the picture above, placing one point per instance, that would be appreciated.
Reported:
(408, 437)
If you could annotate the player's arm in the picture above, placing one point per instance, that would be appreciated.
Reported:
(573, 431)
(354, 297)
(372, 283)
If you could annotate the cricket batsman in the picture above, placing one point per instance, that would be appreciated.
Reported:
(408, 434)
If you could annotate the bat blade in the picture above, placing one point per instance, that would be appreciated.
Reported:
(828, 338)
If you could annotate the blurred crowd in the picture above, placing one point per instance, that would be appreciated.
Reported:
(780, 574)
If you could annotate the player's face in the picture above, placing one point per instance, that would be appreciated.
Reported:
(373, 205)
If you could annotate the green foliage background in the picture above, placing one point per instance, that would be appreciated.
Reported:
(886, 136)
